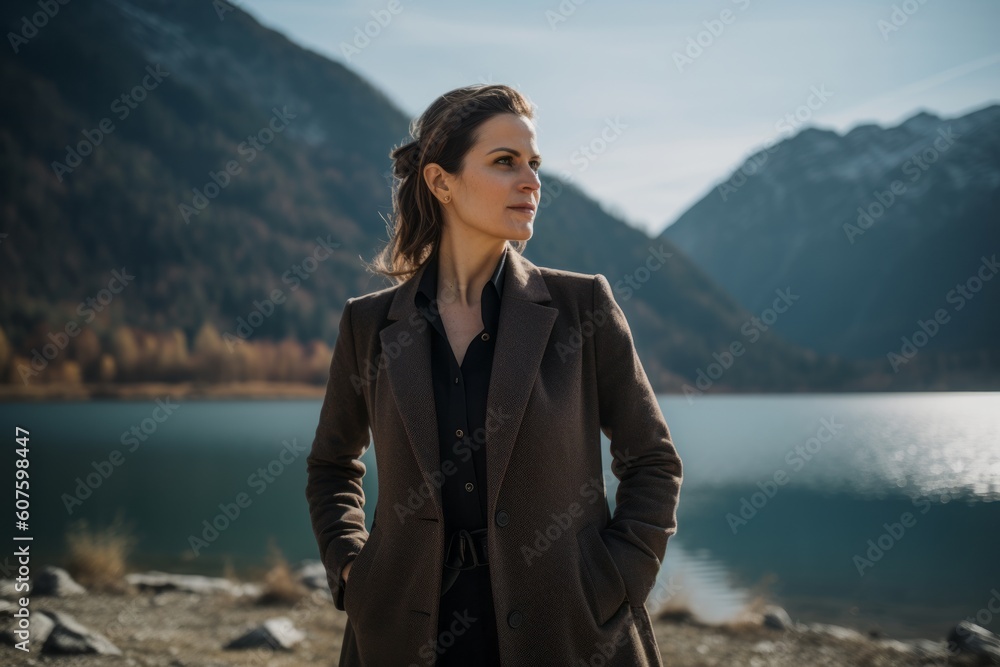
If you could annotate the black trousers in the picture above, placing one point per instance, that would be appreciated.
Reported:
(467, 629)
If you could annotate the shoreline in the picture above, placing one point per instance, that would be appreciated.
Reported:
(267, 390)
(173, 620)
(675, 606)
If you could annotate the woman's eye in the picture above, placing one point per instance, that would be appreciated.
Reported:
(536, 163)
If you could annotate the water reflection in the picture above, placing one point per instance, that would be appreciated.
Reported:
(797, 543)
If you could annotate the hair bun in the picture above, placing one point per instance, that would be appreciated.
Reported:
(405, 159)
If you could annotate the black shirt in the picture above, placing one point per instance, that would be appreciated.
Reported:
(460, 393)
(460, 399)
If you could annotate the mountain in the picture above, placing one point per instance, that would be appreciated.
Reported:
(211, 158)
(890, 236)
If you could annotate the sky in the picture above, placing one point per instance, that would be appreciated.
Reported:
(647, 106)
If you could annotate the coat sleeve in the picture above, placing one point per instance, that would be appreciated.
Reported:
(644, 458)
(334, 468)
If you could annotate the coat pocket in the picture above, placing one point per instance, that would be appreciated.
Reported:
(607, 588)
(357, 579)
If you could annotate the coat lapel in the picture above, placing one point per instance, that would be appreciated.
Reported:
(522, 336)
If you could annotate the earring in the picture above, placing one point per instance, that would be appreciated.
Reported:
(447, 199)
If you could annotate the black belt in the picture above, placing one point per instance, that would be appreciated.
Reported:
(466, 549)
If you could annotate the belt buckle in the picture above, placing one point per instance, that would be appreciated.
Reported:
(465, 538)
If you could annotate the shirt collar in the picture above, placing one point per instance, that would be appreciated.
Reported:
(427, 290)
(428, 282)
(498, 274)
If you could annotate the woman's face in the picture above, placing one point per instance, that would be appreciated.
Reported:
(499, 174)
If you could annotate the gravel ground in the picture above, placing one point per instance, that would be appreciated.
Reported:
(178, 629)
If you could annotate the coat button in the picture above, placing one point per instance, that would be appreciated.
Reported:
(514, 619)
(485, 336)
(459, 433)
(468, 486)
(502, 518)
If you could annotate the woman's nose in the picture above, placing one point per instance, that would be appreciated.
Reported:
(532, 180)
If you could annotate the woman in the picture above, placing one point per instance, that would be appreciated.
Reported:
(486, 382)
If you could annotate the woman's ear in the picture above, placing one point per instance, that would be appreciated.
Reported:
(437, 181)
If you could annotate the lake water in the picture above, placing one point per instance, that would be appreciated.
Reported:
(875, 511)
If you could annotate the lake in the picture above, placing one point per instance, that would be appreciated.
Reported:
(874, 511)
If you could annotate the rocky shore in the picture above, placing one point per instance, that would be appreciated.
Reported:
(159, 619)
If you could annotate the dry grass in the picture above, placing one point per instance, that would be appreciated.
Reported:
(280, 585)
(98, 559)
(750, 617)
(229, 570)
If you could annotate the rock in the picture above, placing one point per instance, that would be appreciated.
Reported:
(7, 608)
(677, 615)
(248, 590)
(56, 582)
(70, 637)
(8, 590)
(312, 573)
(41, 628)
(766, 647)
(190, 583)
(837, 631)
(896, 645)
(777, 618)
(928, 648)
(975, 639)
(274, 633)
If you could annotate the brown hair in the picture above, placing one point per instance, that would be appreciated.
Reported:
(443, 134)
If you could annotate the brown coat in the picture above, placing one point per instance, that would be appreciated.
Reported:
(569, 582)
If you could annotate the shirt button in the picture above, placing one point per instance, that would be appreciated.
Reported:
(485, 336)
(459, 433)
(502, 518)
(514, 619)
(468, 486)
